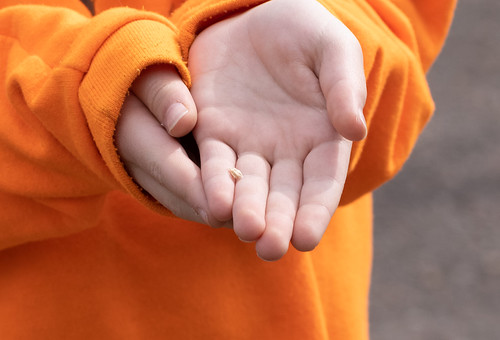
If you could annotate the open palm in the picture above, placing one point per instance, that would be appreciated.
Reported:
(279, 91)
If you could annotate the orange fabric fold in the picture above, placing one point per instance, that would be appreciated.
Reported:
(84, 253)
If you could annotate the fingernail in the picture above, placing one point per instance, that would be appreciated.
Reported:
(203, 215)
(362, 117)
(174, 114)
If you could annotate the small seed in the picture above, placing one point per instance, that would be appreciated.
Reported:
(236, 173)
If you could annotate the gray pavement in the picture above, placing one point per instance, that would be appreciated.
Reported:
(437, 224)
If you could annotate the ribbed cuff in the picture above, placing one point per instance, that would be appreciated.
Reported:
(119, 60)
(195, 15)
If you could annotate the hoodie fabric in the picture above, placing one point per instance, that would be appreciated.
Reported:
(85, 254)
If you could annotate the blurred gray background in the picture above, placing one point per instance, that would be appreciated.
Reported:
(437, 224)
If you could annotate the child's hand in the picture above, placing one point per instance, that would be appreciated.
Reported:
(158, 109)
(280, 91)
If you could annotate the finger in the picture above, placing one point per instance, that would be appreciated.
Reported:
(175, 204)
(344, 110)
(162, 90)
(282, 203)
(146, 148)
(325, 170)
(342, 80)
(250, 197)
(216, 160)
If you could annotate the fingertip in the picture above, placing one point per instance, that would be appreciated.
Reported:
(216, 224)
(358, 128)
(362, 127)
(351, 125)
(162, 90)
(272, 246)
(249, 225)
(305, 241)
(221, 205)
(271, 254)
(309, 230)
(220, 195)
(345, 104)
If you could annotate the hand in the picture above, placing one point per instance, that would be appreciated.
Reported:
(159, 108)
(280, 91)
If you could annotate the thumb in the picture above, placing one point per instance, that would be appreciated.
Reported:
(345, 103)
(342, 80)
(163, 92)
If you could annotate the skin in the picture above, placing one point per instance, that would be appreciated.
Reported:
(279, 91)
(149, 150)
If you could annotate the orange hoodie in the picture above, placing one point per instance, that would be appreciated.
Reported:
(85, 254)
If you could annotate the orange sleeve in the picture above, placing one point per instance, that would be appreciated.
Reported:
(63, 78)
(64, 75)
(195, 15)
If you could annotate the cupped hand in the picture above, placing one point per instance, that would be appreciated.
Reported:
(280, 91)
(159, 108)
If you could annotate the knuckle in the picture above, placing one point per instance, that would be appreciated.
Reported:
(161, 94)
(155, 170)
